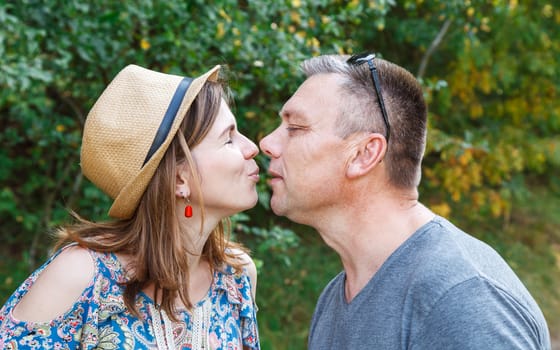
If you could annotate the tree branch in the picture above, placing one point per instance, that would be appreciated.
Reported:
(433, 46)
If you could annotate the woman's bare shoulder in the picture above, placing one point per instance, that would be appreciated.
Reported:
(58, 286)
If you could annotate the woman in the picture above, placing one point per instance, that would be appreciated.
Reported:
(161, 275)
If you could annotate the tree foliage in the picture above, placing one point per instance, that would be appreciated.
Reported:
(488, 67)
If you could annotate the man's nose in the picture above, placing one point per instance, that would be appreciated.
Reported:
(267, 145)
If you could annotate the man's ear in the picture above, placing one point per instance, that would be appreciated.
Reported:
(367, 153)
(182, 188)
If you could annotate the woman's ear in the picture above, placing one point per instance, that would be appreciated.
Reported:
(367, 153)
(182, 188)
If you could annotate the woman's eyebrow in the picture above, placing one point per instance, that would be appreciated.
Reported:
(227, 130)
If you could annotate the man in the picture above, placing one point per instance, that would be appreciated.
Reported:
(346, 160)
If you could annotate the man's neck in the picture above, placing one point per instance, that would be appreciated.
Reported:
(364, 239)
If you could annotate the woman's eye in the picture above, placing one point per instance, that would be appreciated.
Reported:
(230, 137)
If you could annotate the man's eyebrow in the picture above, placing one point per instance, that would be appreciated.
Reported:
(291, 116)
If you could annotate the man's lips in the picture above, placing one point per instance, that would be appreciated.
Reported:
(274, 177)
(274, 174)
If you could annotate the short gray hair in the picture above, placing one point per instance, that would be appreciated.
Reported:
(404, 102)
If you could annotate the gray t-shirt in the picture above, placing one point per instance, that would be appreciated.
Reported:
(441, 289)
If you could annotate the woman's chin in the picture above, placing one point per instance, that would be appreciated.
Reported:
(240, 207)
(250, 203)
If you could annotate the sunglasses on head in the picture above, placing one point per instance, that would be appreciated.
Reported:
(369, 58)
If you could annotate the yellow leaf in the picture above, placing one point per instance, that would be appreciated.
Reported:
(441, 209)
(295, 17)
(250, 114)
(465, 158)
(475, 110)
(313, 42)
(311, 23)
(224, 15)
(548, 11)
(495, 204)
(513, 4)
(220, 32)
(485, 81)
(478, 199)
(144, 44)
(456, 195)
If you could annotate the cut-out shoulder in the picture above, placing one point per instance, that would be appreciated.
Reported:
(58, 287)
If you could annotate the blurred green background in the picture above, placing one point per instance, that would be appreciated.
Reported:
(489, 70)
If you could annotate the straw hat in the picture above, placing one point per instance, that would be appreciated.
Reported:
(130, 127)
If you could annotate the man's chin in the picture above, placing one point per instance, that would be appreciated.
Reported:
(278, 207)
(278, 211)
(292, 215)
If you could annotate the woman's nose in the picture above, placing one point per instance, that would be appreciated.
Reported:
(267, 145)
(250, 150)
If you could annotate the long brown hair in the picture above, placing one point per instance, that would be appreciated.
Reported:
(151, 236)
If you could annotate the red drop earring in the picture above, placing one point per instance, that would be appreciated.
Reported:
(188, 208)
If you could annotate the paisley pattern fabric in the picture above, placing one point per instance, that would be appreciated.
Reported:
(99, 319)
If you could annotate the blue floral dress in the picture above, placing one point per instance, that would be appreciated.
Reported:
(224, 319)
